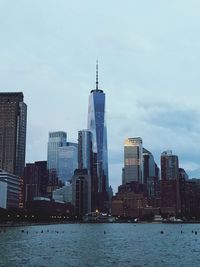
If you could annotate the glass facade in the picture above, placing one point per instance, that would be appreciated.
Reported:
(56, 140)
(97, 126)
(85, 150)
(68, 162)
(133, 163)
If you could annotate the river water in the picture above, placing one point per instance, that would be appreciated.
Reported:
(101, 245)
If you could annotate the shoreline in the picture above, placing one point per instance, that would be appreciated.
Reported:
(24, 224)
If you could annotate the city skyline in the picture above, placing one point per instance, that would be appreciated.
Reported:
(148, 70)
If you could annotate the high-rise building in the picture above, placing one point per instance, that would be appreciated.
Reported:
(170, 186)
(13, 113)
(151, 177)
(56, 140)
(169, 166)
(35, 180)
(133, 163)
(85, 150)
(67, 162)
(81, 191)
(97, 126)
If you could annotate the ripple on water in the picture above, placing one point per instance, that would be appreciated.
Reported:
(87, 245)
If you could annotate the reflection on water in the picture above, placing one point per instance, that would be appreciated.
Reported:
(101, 245)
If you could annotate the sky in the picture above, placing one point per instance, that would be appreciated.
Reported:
(149, 62)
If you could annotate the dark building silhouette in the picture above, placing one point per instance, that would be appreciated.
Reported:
(151, 178)
(170, 188)
(13, 112)
(81, 192)
(190, 197)
(35, 180)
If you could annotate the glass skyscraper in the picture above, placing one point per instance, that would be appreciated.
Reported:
(85, 150)
(56, 140)
(67, 162)
(133, 163)
(97, 126)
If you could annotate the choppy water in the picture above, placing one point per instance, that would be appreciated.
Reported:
(101, 245)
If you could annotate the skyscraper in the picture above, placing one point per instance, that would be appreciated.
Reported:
(169, 166)
(85, 150)
(97, 126)
(133, 163)
(67, 162)
(13, 113)
(151, 177)
(56, 140)
(170, 186)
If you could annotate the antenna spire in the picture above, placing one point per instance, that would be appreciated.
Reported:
(97, 76)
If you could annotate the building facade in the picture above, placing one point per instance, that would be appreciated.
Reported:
(12, 189)
(169, 166)
(85, 150)
(35, 180)
(97, 127)
(67, 162)
(13, 117)
(81, 191)
(151, 177)
(56, 140)
(63, 194)
(170, 185)
(133, 161)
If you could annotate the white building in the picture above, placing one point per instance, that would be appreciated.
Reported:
(10, 191)
(63, 194)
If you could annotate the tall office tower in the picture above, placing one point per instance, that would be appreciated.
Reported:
(81, 191)
(97, 126)
(170, 187)
(133, 163)
(12, 132)
(151, 176)
(85, 150)
(67, 161)
(169, 166)
(56, 140)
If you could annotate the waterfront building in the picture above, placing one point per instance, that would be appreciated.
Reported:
(35, 180)
(81, 191)
(13, 118)
(97, 127)
(128, 204)
(10, 190)
(170, 188)
(133, 162)
(44, 208)
(67, 162)
(56, 140)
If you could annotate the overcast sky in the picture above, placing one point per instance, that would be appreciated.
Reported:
(149, 68)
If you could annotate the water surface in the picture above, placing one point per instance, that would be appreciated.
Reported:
(101, 245)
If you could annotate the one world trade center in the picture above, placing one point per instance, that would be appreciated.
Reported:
(97, 126)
